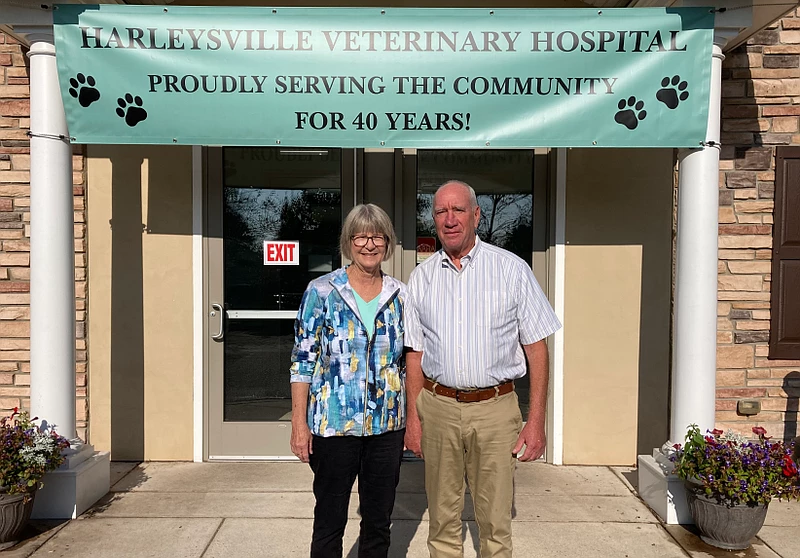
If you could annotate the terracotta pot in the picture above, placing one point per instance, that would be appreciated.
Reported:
(730, 528)
(14, 515)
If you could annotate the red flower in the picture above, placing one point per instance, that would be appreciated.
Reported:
(710, 440)
(789, 468)
(676, 446)
(761, 432)
(717, 432)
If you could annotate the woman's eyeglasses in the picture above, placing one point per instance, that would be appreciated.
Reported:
(361, 240)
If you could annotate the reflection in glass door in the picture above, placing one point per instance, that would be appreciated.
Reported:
(503, 184)
(270, 195)
(263, 194)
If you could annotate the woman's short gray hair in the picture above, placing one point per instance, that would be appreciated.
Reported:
(367, 218)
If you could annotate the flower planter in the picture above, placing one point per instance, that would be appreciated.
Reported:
(14, 515)
(729, 528)
(28, 453)
(731, 480)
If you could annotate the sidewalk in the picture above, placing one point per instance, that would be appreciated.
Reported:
(226, 510)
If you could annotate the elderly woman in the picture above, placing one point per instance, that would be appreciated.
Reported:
(348, 387)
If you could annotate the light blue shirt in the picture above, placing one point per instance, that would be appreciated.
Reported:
(366, 311)
(470, 324)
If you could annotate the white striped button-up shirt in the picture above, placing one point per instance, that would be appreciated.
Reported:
(470, 324)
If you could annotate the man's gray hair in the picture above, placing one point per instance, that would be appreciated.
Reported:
(367, 218)
(473, 199)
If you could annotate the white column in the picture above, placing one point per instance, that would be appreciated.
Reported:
(694, 363)
(52, 246)
(695, 342)
(84, 478)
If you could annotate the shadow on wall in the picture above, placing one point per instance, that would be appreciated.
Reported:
(127, 323)
(623, 198)
(149, 200)
(791, 385)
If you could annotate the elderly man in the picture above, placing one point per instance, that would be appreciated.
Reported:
(475, 320)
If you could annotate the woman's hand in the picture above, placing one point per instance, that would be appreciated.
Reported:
(301, 435)
(301, 441)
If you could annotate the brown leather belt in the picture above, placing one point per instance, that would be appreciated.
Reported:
(469, 395)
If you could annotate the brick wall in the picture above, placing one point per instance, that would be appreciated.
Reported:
(760, 111)
(15, 240)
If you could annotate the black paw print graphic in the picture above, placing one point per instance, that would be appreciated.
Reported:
(130, 108)
(630, 112)
(83, 89)
(668, 94)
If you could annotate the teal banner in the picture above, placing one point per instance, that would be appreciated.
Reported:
(369, 77)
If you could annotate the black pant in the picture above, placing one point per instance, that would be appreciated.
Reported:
(336, 463)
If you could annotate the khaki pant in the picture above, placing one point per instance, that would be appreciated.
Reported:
(476, 440)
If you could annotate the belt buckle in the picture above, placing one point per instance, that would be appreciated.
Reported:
(465, 393)
(459, 392)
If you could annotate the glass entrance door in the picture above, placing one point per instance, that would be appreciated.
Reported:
(273, 221)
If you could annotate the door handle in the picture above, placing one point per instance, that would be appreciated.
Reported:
(220, 335)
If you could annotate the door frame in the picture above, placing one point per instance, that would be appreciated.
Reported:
(199, 408)
(211, 185)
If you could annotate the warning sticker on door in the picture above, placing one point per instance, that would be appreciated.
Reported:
(281, 252)
(426, 246)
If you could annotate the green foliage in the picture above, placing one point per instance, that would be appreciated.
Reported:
(732, 470)
(27, 453)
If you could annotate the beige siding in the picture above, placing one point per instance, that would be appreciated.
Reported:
(140, 278)
(617, 303)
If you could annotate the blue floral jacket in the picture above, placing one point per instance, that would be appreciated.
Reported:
(357, 384)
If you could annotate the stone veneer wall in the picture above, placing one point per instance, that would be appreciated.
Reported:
(15, 240)
(760, 111)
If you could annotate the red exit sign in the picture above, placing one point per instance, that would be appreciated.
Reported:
(281, 252)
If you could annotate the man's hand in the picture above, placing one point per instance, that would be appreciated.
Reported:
(413, 438)
(301, 441)
(533, 435)
(534, 439)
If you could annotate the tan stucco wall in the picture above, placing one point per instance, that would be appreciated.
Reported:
(139, 202)
(617, 303)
